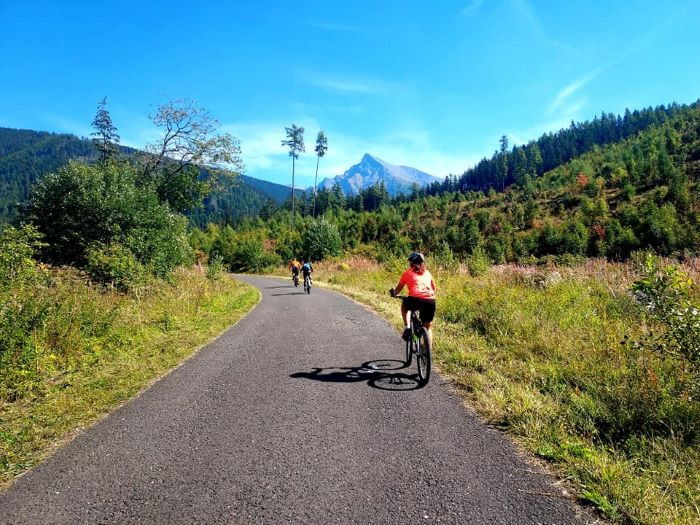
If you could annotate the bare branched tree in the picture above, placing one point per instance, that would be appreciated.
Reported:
(192, 158)
(191, 138)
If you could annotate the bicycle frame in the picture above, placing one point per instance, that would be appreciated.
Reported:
(418, 344)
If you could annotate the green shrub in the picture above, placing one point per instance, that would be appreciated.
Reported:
(478, 262)
(250, 256)
(665, 291)
(215, 268)
(444, 259)
(18, 247)
(23, 285)
(82, 206)
(322, 240)
(115, 265)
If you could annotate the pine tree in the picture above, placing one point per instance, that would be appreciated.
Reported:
(321, 148)
(503, 165)
(295, 143)
(105, 137)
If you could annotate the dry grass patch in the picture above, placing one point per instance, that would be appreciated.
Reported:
(100, 348)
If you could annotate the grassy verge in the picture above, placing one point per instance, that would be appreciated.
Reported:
(94, 349)
(539, 353)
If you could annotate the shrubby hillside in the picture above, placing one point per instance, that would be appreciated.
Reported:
(636, 192)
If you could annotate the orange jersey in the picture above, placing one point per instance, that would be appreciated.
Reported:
(419, 285)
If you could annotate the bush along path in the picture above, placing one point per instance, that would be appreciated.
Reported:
(593, 368)
(290, 418)
(73, 352)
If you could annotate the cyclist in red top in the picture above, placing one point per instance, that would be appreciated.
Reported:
(421, 294)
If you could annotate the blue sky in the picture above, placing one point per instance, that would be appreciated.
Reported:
(432, 85)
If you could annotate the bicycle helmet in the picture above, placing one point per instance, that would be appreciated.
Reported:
(416, 258)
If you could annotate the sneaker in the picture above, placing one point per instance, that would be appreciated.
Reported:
(406, 334)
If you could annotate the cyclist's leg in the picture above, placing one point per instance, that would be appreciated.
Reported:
(427, 314)
(405, 314)
(428, 333)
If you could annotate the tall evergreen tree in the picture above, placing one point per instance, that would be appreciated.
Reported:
(321, 148)
(105, 137)
(503, 165)
(295, 143)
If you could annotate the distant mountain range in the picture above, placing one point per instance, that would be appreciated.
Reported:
(371, 170)
(27, 155)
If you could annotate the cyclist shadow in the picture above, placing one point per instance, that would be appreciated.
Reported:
(382, 374)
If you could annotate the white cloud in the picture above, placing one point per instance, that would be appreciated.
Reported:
(565, 94)
(345, 83)
(342, 28)
(265, 157)
(557, 122)
(528, 16)
(67, 125)
(472, 8)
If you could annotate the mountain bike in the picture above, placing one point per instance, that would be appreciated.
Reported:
(307, 284)
(295, 278)
(419, 344)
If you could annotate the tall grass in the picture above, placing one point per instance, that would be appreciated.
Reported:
(542, 353)
(72, 351)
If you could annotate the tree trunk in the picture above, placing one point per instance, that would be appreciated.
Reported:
(313, 214)
(293, 208)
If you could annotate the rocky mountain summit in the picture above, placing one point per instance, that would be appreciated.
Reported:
(371, 170)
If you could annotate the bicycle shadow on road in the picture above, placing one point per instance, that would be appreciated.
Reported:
(290, 293)
(381, 374)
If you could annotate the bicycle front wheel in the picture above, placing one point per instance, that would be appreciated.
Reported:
(423, 358)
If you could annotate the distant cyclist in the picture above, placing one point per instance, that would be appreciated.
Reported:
(421, 294)
(294, 267)
(306, 269)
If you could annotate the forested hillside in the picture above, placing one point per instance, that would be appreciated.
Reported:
(517, 165)
(26, 156)
(619, 196)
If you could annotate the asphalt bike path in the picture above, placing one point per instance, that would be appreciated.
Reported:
(300, 413)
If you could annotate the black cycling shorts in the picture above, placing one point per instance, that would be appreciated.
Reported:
(295, 270)
(426, 307)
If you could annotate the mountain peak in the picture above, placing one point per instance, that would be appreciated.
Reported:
(372, 170)
(369, 159)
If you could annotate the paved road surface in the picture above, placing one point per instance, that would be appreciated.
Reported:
(301, 413)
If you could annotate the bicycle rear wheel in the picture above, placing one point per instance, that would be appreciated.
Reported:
(423, 358)
(409, 351)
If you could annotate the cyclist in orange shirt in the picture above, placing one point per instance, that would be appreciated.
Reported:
(421, 294)
(294, 266)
